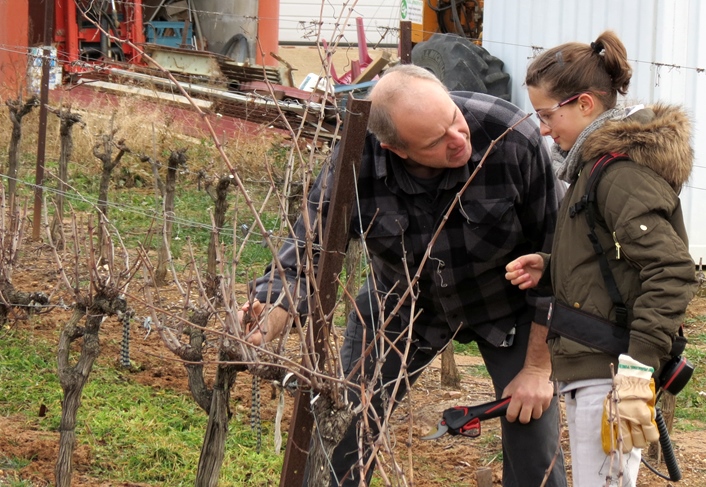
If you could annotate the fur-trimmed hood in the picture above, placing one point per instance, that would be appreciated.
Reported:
(658, 137)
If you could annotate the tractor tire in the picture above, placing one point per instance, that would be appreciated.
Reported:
(462, 65)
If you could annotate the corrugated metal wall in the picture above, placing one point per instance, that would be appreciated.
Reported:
(300, 20)
(666, 47)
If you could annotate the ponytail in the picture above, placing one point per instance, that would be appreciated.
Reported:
(601, 68)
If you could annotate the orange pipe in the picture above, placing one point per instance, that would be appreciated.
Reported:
(267, 32)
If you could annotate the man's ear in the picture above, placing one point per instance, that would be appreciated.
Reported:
(400, 152)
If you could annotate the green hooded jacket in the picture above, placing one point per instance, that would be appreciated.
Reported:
(640, 226)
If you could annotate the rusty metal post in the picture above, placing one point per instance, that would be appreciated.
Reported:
(44, 99)
(405, 42)
(330, 264)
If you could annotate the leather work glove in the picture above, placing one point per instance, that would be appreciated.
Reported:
(632, 406)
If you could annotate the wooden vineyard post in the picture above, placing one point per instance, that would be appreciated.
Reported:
(330, 264)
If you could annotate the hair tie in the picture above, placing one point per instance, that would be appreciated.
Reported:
(559, 58)
(597, 47)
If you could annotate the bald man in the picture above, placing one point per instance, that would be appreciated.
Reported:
(422, 146)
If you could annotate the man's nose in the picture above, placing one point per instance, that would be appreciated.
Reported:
(458, 138)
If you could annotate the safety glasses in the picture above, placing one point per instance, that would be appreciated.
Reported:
(542, 113)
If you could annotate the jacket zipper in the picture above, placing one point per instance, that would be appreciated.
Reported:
(617, 247)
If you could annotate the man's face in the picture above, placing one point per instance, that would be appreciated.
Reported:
(434, 129)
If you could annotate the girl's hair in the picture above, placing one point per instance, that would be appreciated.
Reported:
(601, 68)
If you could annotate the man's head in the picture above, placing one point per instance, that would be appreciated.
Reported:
(413, 116)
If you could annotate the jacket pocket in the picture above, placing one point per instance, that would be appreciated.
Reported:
(491, 228)
(386, 236)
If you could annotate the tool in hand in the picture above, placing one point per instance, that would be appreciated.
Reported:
(465, 420)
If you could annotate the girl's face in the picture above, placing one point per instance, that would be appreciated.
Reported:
(563, 120)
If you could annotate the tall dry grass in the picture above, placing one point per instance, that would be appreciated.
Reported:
(146, 130)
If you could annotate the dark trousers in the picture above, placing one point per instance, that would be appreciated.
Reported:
(528, 449)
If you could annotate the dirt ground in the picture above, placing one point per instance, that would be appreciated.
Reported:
(456, 457)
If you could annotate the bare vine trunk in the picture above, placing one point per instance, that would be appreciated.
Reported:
(68, 120)
(11, 297)
(176, 158)
(214, 443)
(108, 164)
(330, 427)
(74, 378)
(450, 377)
(215, 402)
(17, 112)
(220, 198)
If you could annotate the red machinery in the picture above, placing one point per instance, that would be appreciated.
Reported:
(78, 38)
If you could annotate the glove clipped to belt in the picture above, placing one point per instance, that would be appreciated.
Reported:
(632, 406)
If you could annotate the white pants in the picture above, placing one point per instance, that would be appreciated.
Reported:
(590, 466)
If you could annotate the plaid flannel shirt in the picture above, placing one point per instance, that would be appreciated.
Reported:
(508, 210)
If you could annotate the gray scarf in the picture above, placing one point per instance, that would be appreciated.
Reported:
(568, 164)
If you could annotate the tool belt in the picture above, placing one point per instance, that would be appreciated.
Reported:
(587, 329)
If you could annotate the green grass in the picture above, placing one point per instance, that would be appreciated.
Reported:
(136, 434)
(12, 463)
(477, 371)
(470, 349)
(691, 401)
(13, 481)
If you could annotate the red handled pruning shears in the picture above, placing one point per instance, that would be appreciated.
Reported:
(465, 420)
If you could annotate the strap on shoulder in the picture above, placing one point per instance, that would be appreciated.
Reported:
(588, 204)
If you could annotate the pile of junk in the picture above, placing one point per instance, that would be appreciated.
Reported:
(146, 47)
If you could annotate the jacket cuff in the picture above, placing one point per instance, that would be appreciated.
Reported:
(644, 352)
(546, 280)
(541, 310)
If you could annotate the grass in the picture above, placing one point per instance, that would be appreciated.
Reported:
(470, 349)
(115, 411)
(113, 418)
(691, 401)
(13, 481)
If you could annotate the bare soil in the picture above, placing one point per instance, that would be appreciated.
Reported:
(454, 458)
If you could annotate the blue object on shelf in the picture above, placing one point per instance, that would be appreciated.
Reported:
(167, 33)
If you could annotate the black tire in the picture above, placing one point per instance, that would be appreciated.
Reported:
(462, 65)
(237, 48)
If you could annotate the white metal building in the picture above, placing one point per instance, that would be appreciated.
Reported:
(666, 47)
(299, 21)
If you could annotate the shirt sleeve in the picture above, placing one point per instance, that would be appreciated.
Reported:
(299, 250)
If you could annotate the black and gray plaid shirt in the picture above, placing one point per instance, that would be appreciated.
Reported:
(508, 210)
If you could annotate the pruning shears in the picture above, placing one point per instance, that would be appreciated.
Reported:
(465, 420)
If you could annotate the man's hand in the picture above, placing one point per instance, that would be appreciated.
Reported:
(531, 389)
(262, 322)
(531, 392)
(525, 271)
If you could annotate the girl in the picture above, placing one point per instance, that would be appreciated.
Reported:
(639, 228)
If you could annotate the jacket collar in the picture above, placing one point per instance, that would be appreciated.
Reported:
(657, 137)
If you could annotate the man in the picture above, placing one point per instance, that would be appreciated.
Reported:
(422, 147)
